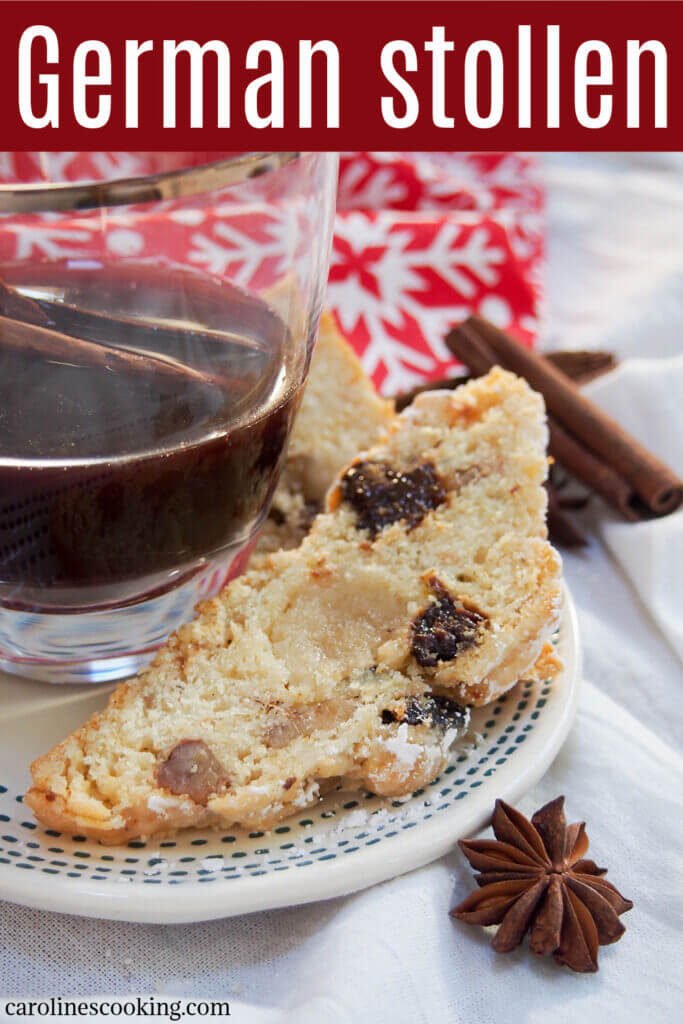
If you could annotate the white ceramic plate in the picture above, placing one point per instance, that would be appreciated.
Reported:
(347, 842)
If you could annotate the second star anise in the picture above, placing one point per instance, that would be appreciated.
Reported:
(534, 877)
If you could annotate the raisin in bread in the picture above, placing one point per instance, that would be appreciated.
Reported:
(426, 586)
(340, 415)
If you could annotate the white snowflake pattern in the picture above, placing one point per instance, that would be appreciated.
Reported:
(54, 166)
(376, 279)
(8, 171)
(380, 189)
(444, 178)
(228, 245)
(451, 259)
(119, 165)
(46, 240)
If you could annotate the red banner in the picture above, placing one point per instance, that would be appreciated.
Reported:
(342, 75)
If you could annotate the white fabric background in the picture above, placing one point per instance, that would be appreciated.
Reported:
(392, 954)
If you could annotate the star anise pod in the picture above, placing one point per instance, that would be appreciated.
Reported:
(533, 877)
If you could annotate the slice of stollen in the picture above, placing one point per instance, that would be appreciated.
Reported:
(426, 586)
(340, 415)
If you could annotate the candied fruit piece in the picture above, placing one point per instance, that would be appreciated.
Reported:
(192, 769)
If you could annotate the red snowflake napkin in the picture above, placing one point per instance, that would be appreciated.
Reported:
(421, 240)
(424, 239)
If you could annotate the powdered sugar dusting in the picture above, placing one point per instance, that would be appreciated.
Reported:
(160, 804)
(307, 795)
(401, 747)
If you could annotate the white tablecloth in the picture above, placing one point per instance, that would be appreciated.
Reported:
(392, 953)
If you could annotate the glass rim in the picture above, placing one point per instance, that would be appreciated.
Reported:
(43, 197)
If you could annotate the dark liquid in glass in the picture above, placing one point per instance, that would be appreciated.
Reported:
(143, 415)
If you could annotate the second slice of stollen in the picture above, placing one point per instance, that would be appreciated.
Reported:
(426, 586)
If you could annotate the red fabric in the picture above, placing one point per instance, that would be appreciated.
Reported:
(421, 240)
(424, 239)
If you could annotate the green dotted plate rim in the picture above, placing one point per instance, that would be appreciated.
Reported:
(201, 875)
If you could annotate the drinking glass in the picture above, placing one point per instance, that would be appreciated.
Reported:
(157, 319)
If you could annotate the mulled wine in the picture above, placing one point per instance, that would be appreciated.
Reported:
(144, 411)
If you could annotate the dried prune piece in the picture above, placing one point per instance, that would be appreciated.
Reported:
(192, 769)
(380, 495)
(444, 630)
(440, 712)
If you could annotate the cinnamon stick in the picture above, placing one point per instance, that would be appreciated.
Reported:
(601, 452)
(24, 325)
(586, 467)
(578, 364)
(653, 482)
(20, 307)
(581, 365)
(561, 527)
